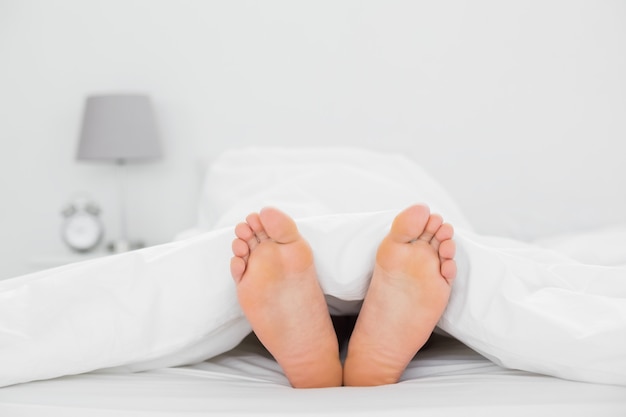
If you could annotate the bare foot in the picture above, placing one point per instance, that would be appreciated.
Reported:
(279, 293)
(408, 293)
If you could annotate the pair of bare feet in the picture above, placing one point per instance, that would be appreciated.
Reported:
(279, 292)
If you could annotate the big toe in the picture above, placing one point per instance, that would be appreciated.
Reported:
(279, 226)
(409, 223)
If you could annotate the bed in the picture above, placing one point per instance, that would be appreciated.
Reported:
(146, 333)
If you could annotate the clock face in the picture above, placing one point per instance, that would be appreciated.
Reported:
(82, 231)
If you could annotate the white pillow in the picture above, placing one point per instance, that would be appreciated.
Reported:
(603, 246)
(316, 181)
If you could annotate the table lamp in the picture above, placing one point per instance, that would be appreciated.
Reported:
(120, 128)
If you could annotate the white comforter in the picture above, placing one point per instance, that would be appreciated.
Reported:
(522, 306)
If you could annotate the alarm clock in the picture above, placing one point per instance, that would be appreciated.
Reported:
(82, 229)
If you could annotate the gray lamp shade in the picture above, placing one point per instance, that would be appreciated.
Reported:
(118, 127)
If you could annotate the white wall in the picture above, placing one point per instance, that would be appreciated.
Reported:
(517, 107)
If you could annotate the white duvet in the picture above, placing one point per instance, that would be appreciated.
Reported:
(522, 306)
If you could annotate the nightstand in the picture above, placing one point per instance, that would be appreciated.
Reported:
(64, 258)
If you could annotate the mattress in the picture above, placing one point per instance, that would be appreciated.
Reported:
(445, 379)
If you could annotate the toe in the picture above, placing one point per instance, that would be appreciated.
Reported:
(254, 220)
(432, 226)
(409, 223)
(448, 270)
(445, 232)
(240, 248)
(278, 225)
(447, 249)
(244, 232)
(237, 268)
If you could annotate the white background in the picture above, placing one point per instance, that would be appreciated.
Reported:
(518, 108)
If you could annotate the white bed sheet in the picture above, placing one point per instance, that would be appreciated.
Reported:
(446, 379)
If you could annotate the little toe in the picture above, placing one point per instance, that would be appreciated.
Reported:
(237, 268)
(409, 223)
(432, 226)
